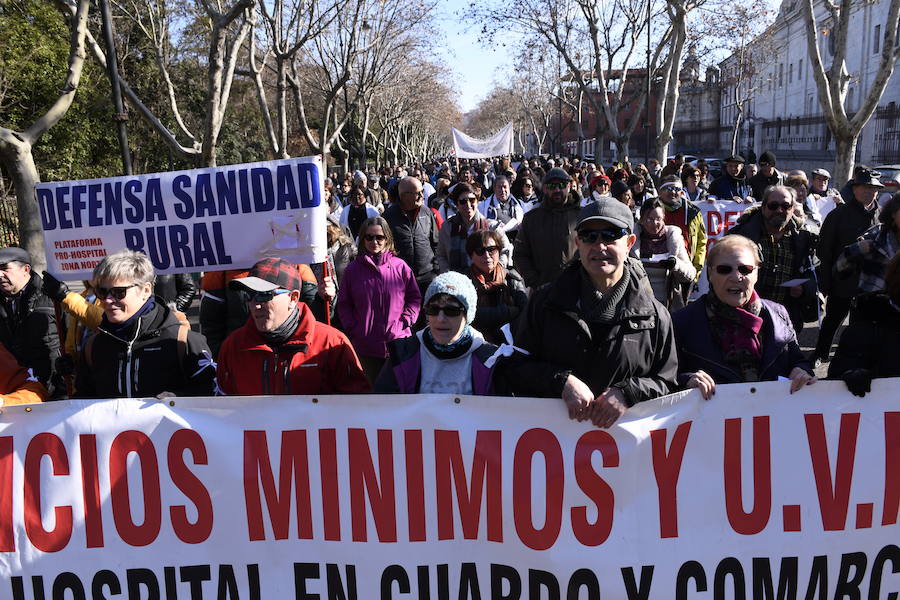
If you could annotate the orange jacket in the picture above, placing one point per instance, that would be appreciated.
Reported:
(17, 386)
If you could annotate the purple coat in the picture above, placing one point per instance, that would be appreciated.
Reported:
(377, 303)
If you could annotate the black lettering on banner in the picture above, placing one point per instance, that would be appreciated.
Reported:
(302, 572)
(424, 581)
(501, 574)
(443, 582)
(227, 587)
(583, 579)
(638, 591)
(468, 581)
(730, 567)
(818, 579)
(538, 579)
(142, 577)
(689, 570)
(68, 582)
(888, 553)
(394, 574)
(847, 584)
(336, 589)
(105, 579)
(763, 586)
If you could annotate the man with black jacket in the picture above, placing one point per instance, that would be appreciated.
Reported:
(731, 185)
(415, 231)
(768, 176)
(27, 321)
(842, 226)
(596, 337)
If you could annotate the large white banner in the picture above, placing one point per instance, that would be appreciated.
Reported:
(186, 221)
(498, 144)
(445, 497)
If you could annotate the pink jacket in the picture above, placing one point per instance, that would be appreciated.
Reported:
(377, 303)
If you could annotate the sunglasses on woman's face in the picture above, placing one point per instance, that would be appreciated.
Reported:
(375, 237)
(118, 292)
(450, 311)
(607, 236)
(486, 249)
(742, 269)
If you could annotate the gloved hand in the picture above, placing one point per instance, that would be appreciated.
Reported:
(54, 288)
(859, 381)
(668, 263)
(65, 365)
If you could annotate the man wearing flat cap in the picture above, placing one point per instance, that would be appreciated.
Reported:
(731, 185)
(27, 325)
(596, 337)
(545, 244)
(282, 349)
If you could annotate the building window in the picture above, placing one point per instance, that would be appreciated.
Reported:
(800, 70)
(791, 73)
(781, 75)
(876, 43)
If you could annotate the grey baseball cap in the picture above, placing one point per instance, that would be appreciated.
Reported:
(609, 211)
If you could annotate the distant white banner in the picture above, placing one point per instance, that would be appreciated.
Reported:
(498, 144)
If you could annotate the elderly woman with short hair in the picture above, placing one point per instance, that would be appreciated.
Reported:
(141, 348)
(730, 334)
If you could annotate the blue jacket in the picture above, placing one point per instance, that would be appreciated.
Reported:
(697, 350)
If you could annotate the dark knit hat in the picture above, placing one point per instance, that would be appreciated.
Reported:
(767, 157)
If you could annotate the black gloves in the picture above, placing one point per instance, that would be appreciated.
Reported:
(54, 288)
(668, 263)
(859, 381)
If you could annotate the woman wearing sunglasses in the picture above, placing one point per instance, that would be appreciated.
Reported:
(730, 334)
(501, 291)
(449, 356)
(141, 349)
(379, 298)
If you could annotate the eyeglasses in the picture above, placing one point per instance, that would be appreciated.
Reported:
(486, 249)
(778, 206)
(263, 297)
(556, 185)
(742, 269)
(468, 199)
(449, 311)
(674, 189)
(118, 292)
(607, 236)
(375, 237)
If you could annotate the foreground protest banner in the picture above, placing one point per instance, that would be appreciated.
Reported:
(186, 221)
(500, 143)
(753, 493)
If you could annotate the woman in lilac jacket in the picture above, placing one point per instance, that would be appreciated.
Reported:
(379, 298)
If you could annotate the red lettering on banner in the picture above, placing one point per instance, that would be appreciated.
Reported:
(7, 535)
(666, 469)
(45, 444)
(415, 484)
(595, 487)
(713, 223)
(729, 221)
(535, 441)
(748, 523)
(90, 486)
(293, 472)
(891, 468)
(331, 503)
(364, 484)
(139, 443)
(190, 486)
(485, 479)
(834, 494)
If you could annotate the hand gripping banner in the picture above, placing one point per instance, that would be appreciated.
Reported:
(754, 494)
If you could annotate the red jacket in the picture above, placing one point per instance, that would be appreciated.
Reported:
(318, 359)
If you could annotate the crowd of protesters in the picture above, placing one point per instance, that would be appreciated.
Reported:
(538, 277)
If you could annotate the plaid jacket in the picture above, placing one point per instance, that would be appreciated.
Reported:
(870, 266)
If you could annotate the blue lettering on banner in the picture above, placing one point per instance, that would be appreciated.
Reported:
(170, 246)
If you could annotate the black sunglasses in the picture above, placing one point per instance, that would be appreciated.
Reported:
(778, 205)
(450, 311)
(263, 296)
(375, 237)
(118, 292)
(607, 236)
(555, 185)
(742, 269)
(486, 249)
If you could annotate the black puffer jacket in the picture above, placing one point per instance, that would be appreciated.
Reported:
(635, 354)
(178, 289)
(28, 330)
(147, 361)
(872, 341)
(415, 241)
(842, 227)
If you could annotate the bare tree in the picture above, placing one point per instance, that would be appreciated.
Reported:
(15, 146)
(832, 84)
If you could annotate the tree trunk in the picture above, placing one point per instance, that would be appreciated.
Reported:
(735, 130)
(16, 157)
(844, 156)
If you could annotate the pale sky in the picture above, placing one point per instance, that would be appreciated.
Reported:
(473, 65)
